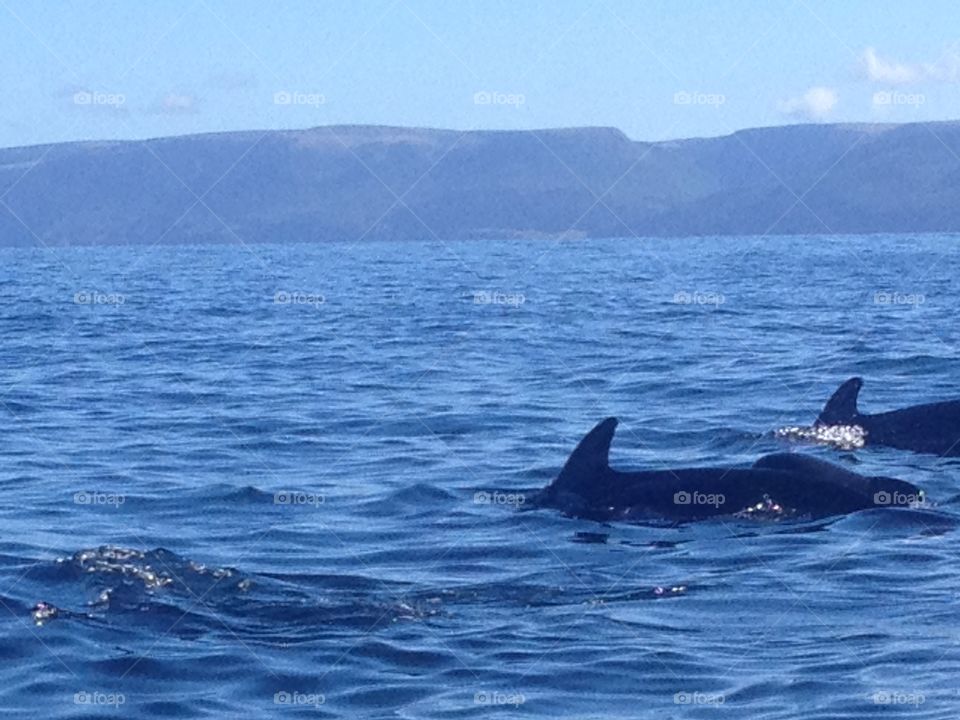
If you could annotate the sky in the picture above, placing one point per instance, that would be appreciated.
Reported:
(656, 70)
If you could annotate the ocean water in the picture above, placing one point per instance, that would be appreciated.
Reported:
(258, 481)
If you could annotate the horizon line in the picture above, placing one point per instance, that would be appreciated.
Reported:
(425, 128)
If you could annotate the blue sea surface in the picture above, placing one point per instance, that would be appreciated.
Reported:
(285, 481)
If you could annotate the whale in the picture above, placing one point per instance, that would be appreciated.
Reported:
(930, 428)
(776, 486)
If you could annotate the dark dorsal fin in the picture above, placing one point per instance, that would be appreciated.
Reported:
(589, 460)
(841, 408)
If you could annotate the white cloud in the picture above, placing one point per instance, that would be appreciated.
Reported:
(877, 69)
(815, 104)
(880, 70)
(177, 104)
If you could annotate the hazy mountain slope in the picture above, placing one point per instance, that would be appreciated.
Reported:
(354, 183)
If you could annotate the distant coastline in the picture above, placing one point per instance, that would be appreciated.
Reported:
(363, 183)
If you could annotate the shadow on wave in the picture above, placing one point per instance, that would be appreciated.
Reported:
(158, 592)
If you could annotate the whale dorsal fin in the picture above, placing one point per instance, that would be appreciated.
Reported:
(841, 408)
(590, 459)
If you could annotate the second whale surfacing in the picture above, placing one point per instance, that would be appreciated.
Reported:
(930, 428)
(781, 485)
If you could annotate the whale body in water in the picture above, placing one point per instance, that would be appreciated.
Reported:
(779, 485)
(930, 428)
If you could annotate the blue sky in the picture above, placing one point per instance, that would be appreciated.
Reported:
(656, 70)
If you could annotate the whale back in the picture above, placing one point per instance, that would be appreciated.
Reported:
(588, 487)
(807, 466)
